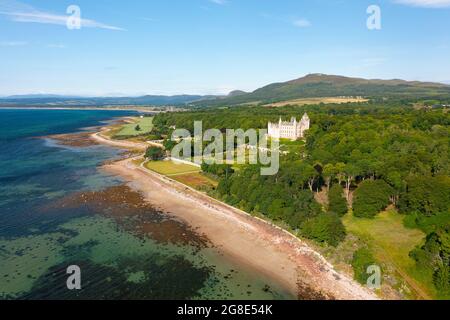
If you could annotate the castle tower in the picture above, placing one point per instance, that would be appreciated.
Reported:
(306, 121)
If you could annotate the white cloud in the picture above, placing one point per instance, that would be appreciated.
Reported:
(301, 23)
(12, 43)
(20, 12)
(426, 3)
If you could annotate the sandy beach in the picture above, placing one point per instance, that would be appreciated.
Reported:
(125, 144)
(274, 252)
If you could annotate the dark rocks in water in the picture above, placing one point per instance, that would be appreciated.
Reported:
(176, 279)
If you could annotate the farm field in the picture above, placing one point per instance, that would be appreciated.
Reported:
(301, 102)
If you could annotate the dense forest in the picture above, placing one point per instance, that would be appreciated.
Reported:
(370, 156)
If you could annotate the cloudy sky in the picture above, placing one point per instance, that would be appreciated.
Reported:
(214, 46)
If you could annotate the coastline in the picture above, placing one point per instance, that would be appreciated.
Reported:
(269, 249)
(106, 108)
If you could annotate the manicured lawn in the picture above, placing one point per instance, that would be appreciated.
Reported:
(391, 244)
(171, 168)
(146, 125)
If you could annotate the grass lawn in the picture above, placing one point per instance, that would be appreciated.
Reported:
(129, 129)
(288, 142)
(170, 168)
(195, 180)
(391, 243)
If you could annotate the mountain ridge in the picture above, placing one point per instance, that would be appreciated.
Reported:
(317, 85)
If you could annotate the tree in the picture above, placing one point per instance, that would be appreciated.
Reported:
(220, 170)
(370, 198)
(154, 153)
(426, 195)
(434, 256)
(395, 180)
(137, 128)
(328, 173)
(351, 171)
(169, 144)
(310, 173)
(340, 172)
(336, 200)
(325, 228)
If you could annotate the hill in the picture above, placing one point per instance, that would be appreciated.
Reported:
(321, 85)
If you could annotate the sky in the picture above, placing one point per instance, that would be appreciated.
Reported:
(138, 47)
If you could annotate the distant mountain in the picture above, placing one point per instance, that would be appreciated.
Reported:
(55, 100)
(236, 93)
(39, 96)
(322, 85)
(310, 86)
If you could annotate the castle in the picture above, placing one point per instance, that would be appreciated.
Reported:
(289, 130)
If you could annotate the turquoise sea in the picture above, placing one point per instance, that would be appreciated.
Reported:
(57, 208)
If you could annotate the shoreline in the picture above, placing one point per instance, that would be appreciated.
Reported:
(75, 108)
(273, 251)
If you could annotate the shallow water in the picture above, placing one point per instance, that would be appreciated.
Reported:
(58, 209)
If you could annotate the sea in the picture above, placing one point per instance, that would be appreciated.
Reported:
(59, 211)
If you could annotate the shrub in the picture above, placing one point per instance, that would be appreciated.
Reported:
(370, 198)
(325, 228)
(154, 153)
(362, 259)
(336, 201)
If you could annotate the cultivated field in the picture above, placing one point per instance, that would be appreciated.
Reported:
(301, 102)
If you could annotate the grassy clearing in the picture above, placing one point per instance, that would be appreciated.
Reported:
(391, 244)
(170, 168)
(129, 130)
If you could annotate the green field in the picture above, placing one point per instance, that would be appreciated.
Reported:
(391, 244)
(129, 130)
(169, 168)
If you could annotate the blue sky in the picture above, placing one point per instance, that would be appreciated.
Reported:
(214, 46)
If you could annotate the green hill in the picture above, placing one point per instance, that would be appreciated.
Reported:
(321, 85)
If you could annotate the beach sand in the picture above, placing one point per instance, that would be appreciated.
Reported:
(271, 251)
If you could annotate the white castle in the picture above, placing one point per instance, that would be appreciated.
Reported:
(289, 130)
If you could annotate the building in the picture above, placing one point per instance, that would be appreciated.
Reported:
(289, 130)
